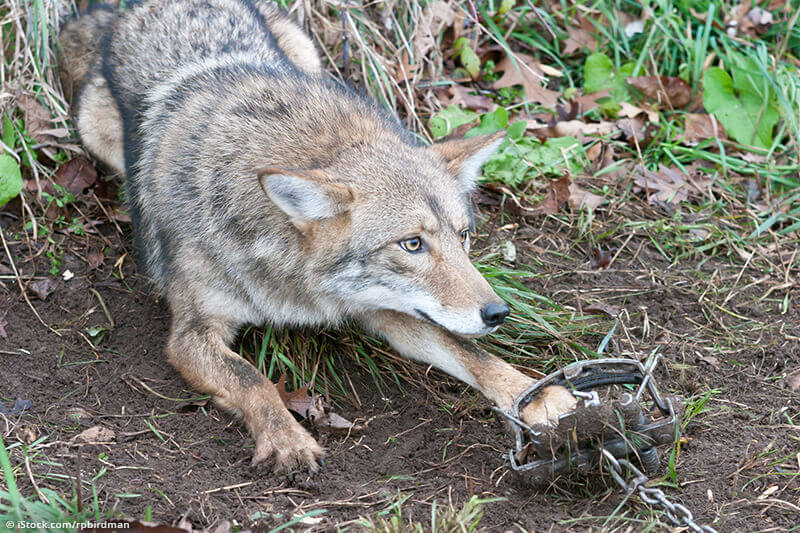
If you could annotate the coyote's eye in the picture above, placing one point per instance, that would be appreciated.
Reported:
(412, 245)
(464, 236)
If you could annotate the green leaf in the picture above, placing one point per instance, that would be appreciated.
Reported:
(506, 6)
(10, 179)
(599, 74)
(9, 135)
(517, 129)
(514, 163)
(469, 59)
(745, 104)
(444, 122)
(490, 123)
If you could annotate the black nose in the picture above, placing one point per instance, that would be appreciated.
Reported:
(494, 314)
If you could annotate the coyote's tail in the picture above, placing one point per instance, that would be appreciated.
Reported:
(80, 40)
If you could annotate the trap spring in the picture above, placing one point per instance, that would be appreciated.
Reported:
(536, 450)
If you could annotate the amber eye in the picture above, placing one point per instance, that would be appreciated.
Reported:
(412, 245)
(464, 236)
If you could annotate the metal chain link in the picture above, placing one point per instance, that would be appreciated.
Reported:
(677, 513)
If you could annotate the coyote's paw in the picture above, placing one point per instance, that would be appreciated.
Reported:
(288, 445)
(553, 402)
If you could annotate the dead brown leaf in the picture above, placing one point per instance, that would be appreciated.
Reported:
(329, 421)
(747, 21)
(558, 194)
(793, 381)
(580, 36)
(580, 197)
(36, 116)
(699, 127)
(313, 408)
(95, 259)
(601, 259)
(587, 102)
(575, 128)
(298, 401)
(528, 73)
(602, 308)
(76, 175)
(671, 91)
(461, 96)
(405, 70)
(667, 185)
(41, 288)
(435, 17)
(95, 434)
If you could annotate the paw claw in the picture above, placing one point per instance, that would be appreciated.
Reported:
(291, 449)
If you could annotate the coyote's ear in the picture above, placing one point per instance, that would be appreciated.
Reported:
(465, 157)
(305, 196)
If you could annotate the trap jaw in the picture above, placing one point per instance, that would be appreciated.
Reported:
(534, 450)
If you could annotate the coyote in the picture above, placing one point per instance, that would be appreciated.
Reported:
(262, 191)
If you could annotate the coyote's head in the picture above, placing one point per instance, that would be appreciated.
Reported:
(388, 227)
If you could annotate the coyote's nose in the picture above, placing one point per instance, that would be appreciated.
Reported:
(494, 314)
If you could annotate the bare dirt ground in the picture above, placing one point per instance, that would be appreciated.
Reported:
(716, 326)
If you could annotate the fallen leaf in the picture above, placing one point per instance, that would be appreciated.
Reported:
(601, 259)
(328, 421)
(580, 37)
(462, 96)
(635, 129)
(669, 90)
(405, 70)
(580, 197)
(742, 20)
(95, 259)
(699, 127)
(634, 27)
(710, 360)
(508, 250)
(120, 216)
(526, 72)
(661, 187)
(602, 308)
(436, 16)
(793, 382)
(41, 288)
(36, 116)
(575, 128)
(587, 102)
(298, 401)
(628, 110)
(558, 194)
(95, 434)
(76, 175)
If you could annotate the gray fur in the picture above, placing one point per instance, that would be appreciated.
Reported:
(261, 191)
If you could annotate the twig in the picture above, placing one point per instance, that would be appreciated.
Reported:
(21, 286)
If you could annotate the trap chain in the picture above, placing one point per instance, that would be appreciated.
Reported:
(602, 430)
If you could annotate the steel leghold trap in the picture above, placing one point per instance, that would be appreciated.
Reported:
(619, 410)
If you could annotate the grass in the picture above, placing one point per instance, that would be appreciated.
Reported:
(746, 215)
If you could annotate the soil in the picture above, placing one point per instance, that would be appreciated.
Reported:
(737, 469)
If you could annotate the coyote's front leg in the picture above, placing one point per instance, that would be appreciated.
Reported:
(198, 348)
(495, 378)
